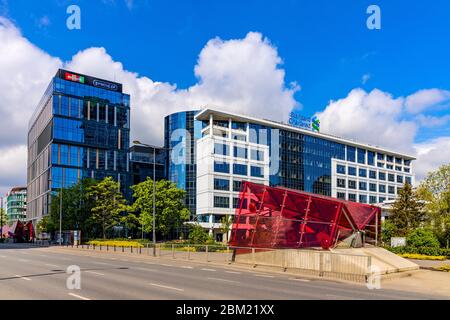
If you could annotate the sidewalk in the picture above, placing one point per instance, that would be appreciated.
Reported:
(430, 263)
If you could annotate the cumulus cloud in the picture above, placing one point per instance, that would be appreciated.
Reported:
(424, 99)
(431, 155)
(241, 75)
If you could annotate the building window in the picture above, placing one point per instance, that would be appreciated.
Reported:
(362, 172)
(352, 171)
(351, 153)
(341, 183)
(237, 186)
(257, 155)
(341, 195)
(340, 169)
(372, 199)
(371, 158)
(380, 165)
(391, 177)
(256, 172)
(408, 180)
(351, 184)
(382, 176)
(391, 189)
(221, 184)
(240, 169)
(361, 156)
(236, 203)
(221, 202)
(382, 188)
(372, 174)
(238, 137)
(397, 168)
(372, 187)
(389, 166)
(239, 125)
(407, 170)
(222, 167)
(240, 152)
(398, 160)
(362, 185)
(399, 179)
(407, 162)
(380, 156)
(352, 197)
(381, 199)
(389, 158)
(362, 198)
(221, 149)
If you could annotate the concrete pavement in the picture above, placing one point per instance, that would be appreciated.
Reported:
(40, 273)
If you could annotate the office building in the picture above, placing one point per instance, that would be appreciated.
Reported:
(141, 162)
(80, 129)
(16, 204)
(236, 147)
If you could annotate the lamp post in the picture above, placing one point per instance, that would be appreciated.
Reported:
(137, 142)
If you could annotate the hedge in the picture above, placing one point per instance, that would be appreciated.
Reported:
(429, 251)
(116, 243)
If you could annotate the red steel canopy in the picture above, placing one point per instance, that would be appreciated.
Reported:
(270, 217)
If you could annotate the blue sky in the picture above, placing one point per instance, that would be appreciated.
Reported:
(325, 45)
(389, 87)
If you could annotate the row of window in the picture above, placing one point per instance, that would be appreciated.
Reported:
(362, 198)
(224, 202)
(222, 184)
(238, 152)
(362, 185)
(359, 155)
(238, 169)
(352, 171)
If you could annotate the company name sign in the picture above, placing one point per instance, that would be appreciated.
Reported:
(296, 120)
(70, 76)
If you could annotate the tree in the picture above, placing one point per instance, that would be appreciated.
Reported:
(198, 234)
(108, 204)
(3, 217)
(170, 211)
(76, 208)
(387, 231)
(435, 191)
(422, 238)
(407, 211)
(225, 225)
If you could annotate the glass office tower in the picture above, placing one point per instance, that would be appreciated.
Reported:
(80, 129)
(181, 132)
(16, 205)
(141, 163)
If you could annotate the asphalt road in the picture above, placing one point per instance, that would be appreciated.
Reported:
(40, 273)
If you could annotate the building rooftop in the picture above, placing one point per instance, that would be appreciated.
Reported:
(222, 115)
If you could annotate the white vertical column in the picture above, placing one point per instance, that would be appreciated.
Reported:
(98, 112)
(115, 116)
(106, 113)
(211, 122)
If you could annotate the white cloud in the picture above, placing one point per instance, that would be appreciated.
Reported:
(366, 77)
(424, 99)
(13, 167)
(431, 155)
(241, 75)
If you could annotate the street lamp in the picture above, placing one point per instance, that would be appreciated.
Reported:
(137, 142)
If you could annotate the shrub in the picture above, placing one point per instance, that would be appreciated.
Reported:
(115, 243)
(418, 256)
(445, 268)
(422, 238)
(423, 250)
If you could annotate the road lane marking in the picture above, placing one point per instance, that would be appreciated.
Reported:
(93, 272)
(263, 275)
(186, 267)
(167, 265)
(302, 280)
(23, 278)
(52, 265)
(235, 272)
(77, 296)
(166, 287)
(224, 280)
(102, 263)
(206, 269)
(145, 269)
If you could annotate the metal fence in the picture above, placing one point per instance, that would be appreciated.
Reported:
(316, 263)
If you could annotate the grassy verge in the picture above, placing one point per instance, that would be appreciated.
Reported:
(444, 268)
(116, 243)
(421, 256)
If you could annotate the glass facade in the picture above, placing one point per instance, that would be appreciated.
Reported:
(16, 204)
(181, 132)
(80, 129)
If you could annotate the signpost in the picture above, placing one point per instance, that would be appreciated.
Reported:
(297, 120)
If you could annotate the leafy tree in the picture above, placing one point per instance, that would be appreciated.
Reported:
(387, 231)
(225, 225)
(76, 208)
(435, 191)
(407, 211)
(422, 238)
(170, 210)
(4, 216)
(108, 204)
(198, 234)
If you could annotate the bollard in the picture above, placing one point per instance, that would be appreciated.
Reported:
(122, 249)
(207, 253)
(140, 250)
(189, 252)
(131, 249)
(114, 248)
(93, 247)
(101, 247)
(253, 257)
(173, 251)
(148, 251)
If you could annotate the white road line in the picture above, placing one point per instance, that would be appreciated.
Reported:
(166, 287)
(263, 275)
(77, 296)
(235, 272)
(52, 265)
(144, 269)
(93, 272)
(23, 278)
(167, 265)
(186, 267)
(302, 280)
(224, 280)
(102, 263)
(206, 269)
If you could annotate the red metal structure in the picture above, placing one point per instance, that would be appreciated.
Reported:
(270, 217)
(22, 231)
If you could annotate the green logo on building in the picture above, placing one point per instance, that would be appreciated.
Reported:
(315, 124)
